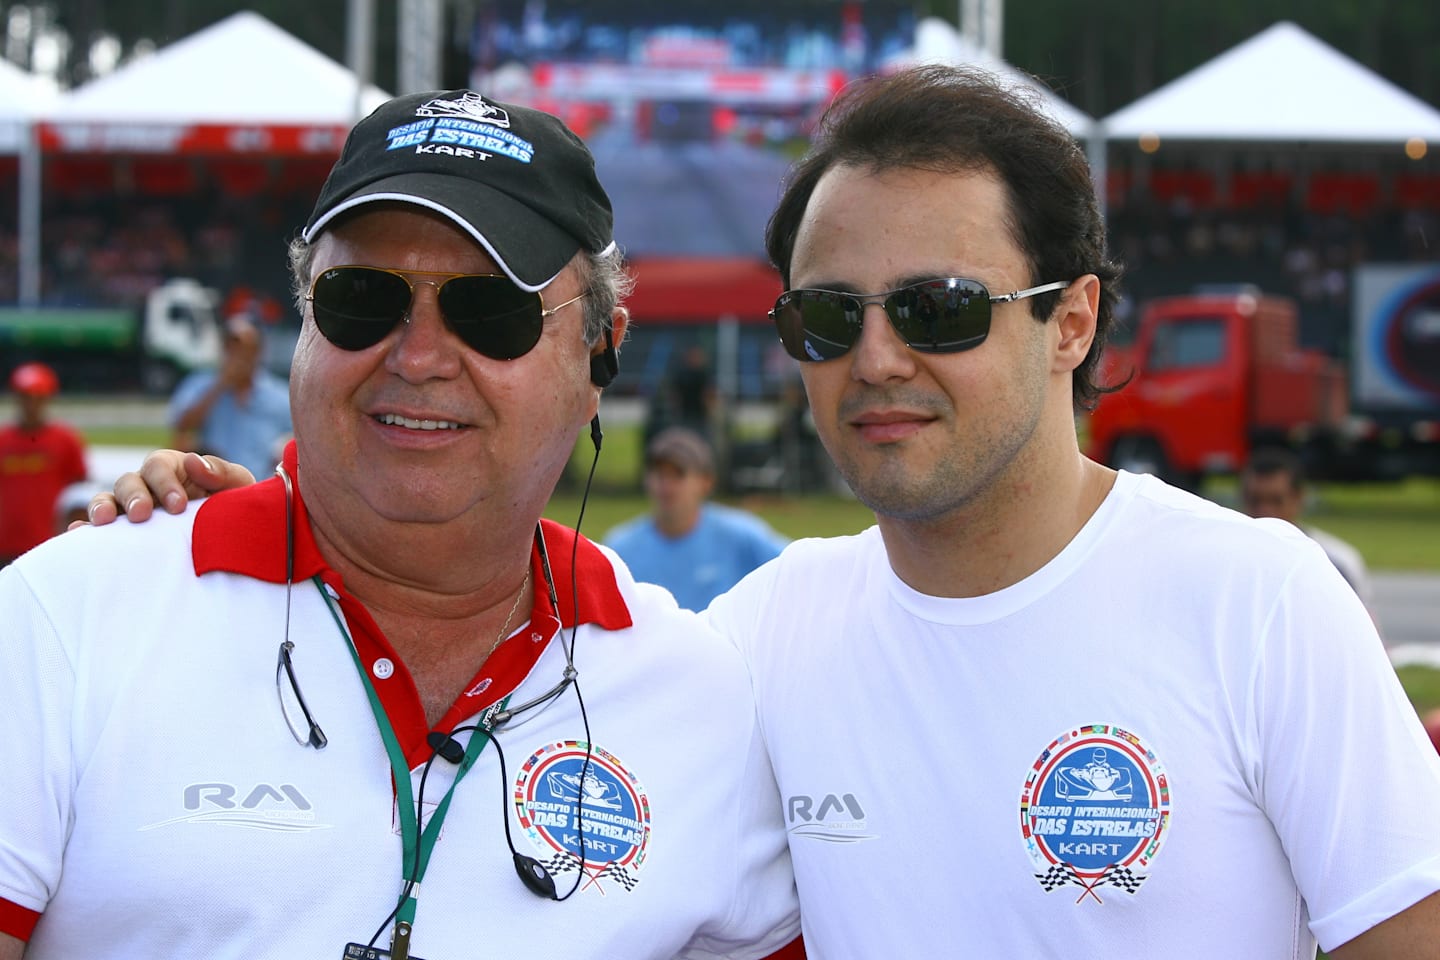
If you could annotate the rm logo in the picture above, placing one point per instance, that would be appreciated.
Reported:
(835, 818)
(276, 809)
(222, 795)
(829, 805)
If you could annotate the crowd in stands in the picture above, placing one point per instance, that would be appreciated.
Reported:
(108, 250)
(1308, 254)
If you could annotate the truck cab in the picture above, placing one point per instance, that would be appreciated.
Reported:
(180, 332)
(1210, 376)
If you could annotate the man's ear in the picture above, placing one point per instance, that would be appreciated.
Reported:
(1078, 309)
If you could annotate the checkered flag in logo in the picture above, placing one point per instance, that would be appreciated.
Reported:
(562, 862)
(1123, 877)
(1057, 876)
(620, 875)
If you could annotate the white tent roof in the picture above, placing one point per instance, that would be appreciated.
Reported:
(936, 41)
(1281, 85)
(22, 95)
(242, 70)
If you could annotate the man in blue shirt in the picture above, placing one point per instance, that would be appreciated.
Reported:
(695, 549)
(240, 411)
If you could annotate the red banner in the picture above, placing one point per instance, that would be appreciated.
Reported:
(198, 138)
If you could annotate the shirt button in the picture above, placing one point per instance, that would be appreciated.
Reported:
(383, 668)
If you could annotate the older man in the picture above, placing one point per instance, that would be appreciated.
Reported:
(398, 677)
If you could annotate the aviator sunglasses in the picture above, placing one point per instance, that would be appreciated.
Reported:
(356, 307)
(946, 315)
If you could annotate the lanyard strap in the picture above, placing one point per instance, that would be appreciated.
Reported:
(410, 832)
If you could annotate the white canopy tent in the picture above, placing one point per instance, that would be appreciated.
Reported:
(937, 41)
(240, 71)
(23, 97)
(1283, 85)
(242, 86)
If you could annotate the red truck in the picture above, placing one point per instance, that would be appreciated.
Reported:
(1212, 376)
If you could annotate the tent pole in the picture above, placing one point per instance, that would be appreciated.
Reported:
(29, 201)
(360, 48)
(1096, 150)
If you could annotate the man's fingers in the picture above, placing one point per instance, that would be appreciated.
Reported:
(167, 477)
(163, 476)
(211, 474)
(99, 511)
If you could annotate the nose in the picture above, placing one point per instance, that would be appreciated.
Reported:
(425, 347)
(879, 355)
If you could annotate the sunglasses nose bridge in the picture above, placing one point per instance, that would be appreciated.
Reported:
(417, 298)
(880, 332)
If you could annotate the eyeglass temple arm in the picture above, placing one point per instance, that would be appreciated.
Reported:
(1031, 291)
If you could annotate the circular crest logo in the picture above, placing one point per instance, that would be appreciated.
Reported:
(1094, 811)
(613, 832)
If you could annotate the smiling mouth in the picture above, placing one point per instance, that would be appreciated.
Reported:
(395, 420)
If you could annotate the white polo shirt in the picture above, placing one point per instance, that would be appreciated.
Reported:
(162, 806)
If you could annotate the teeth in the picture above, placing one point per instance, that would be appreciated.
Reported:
(395, 420)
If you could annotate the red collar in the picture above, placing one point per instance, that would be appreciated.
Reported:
(243, 532)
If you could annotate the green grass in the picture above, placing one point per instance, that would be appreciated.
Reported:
(1395, 526)
(127, 436)
(1423, 686)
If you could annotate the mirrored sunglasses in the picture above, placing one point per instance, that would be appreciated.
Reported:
(946, 315)
(356, 307)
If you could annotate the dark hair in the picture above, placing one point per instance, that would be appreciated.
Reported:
(1268, 461)
(953, 120)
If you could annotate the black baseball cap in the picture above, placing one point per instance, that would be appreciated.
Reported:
(516, 179)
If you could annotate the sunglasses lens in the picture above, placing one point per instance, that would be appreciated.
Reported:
(492, 315)
(941, 316)
(817, 324)
(355, 307)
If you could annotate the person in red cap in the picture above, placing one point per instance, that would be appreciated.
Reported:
(38, 459)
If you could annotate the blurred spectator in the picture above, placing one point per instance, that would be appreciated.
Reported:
(239, 411)
(1273, 485)
(696, 550)
(693, 392)
(684, 398)
(38, 459)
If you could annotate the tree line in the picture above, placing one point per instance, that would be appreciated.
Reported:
(1100, 54)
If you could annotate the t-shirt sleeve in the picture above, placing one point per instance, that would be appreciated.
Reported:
(36, 686)
(766, 913)
(1338, 744)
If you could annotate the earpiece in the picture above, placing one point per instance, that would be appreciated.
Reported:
(605, 366)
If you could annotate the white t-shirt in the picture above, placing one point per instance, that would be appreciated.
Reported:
(1180, 738)
(158, 804)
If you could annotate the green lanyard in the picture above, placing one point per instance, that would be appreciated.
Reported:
(410, 832)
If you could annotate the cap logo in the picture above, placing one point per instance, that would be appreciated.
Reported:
(466, 126)
(470, 105)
